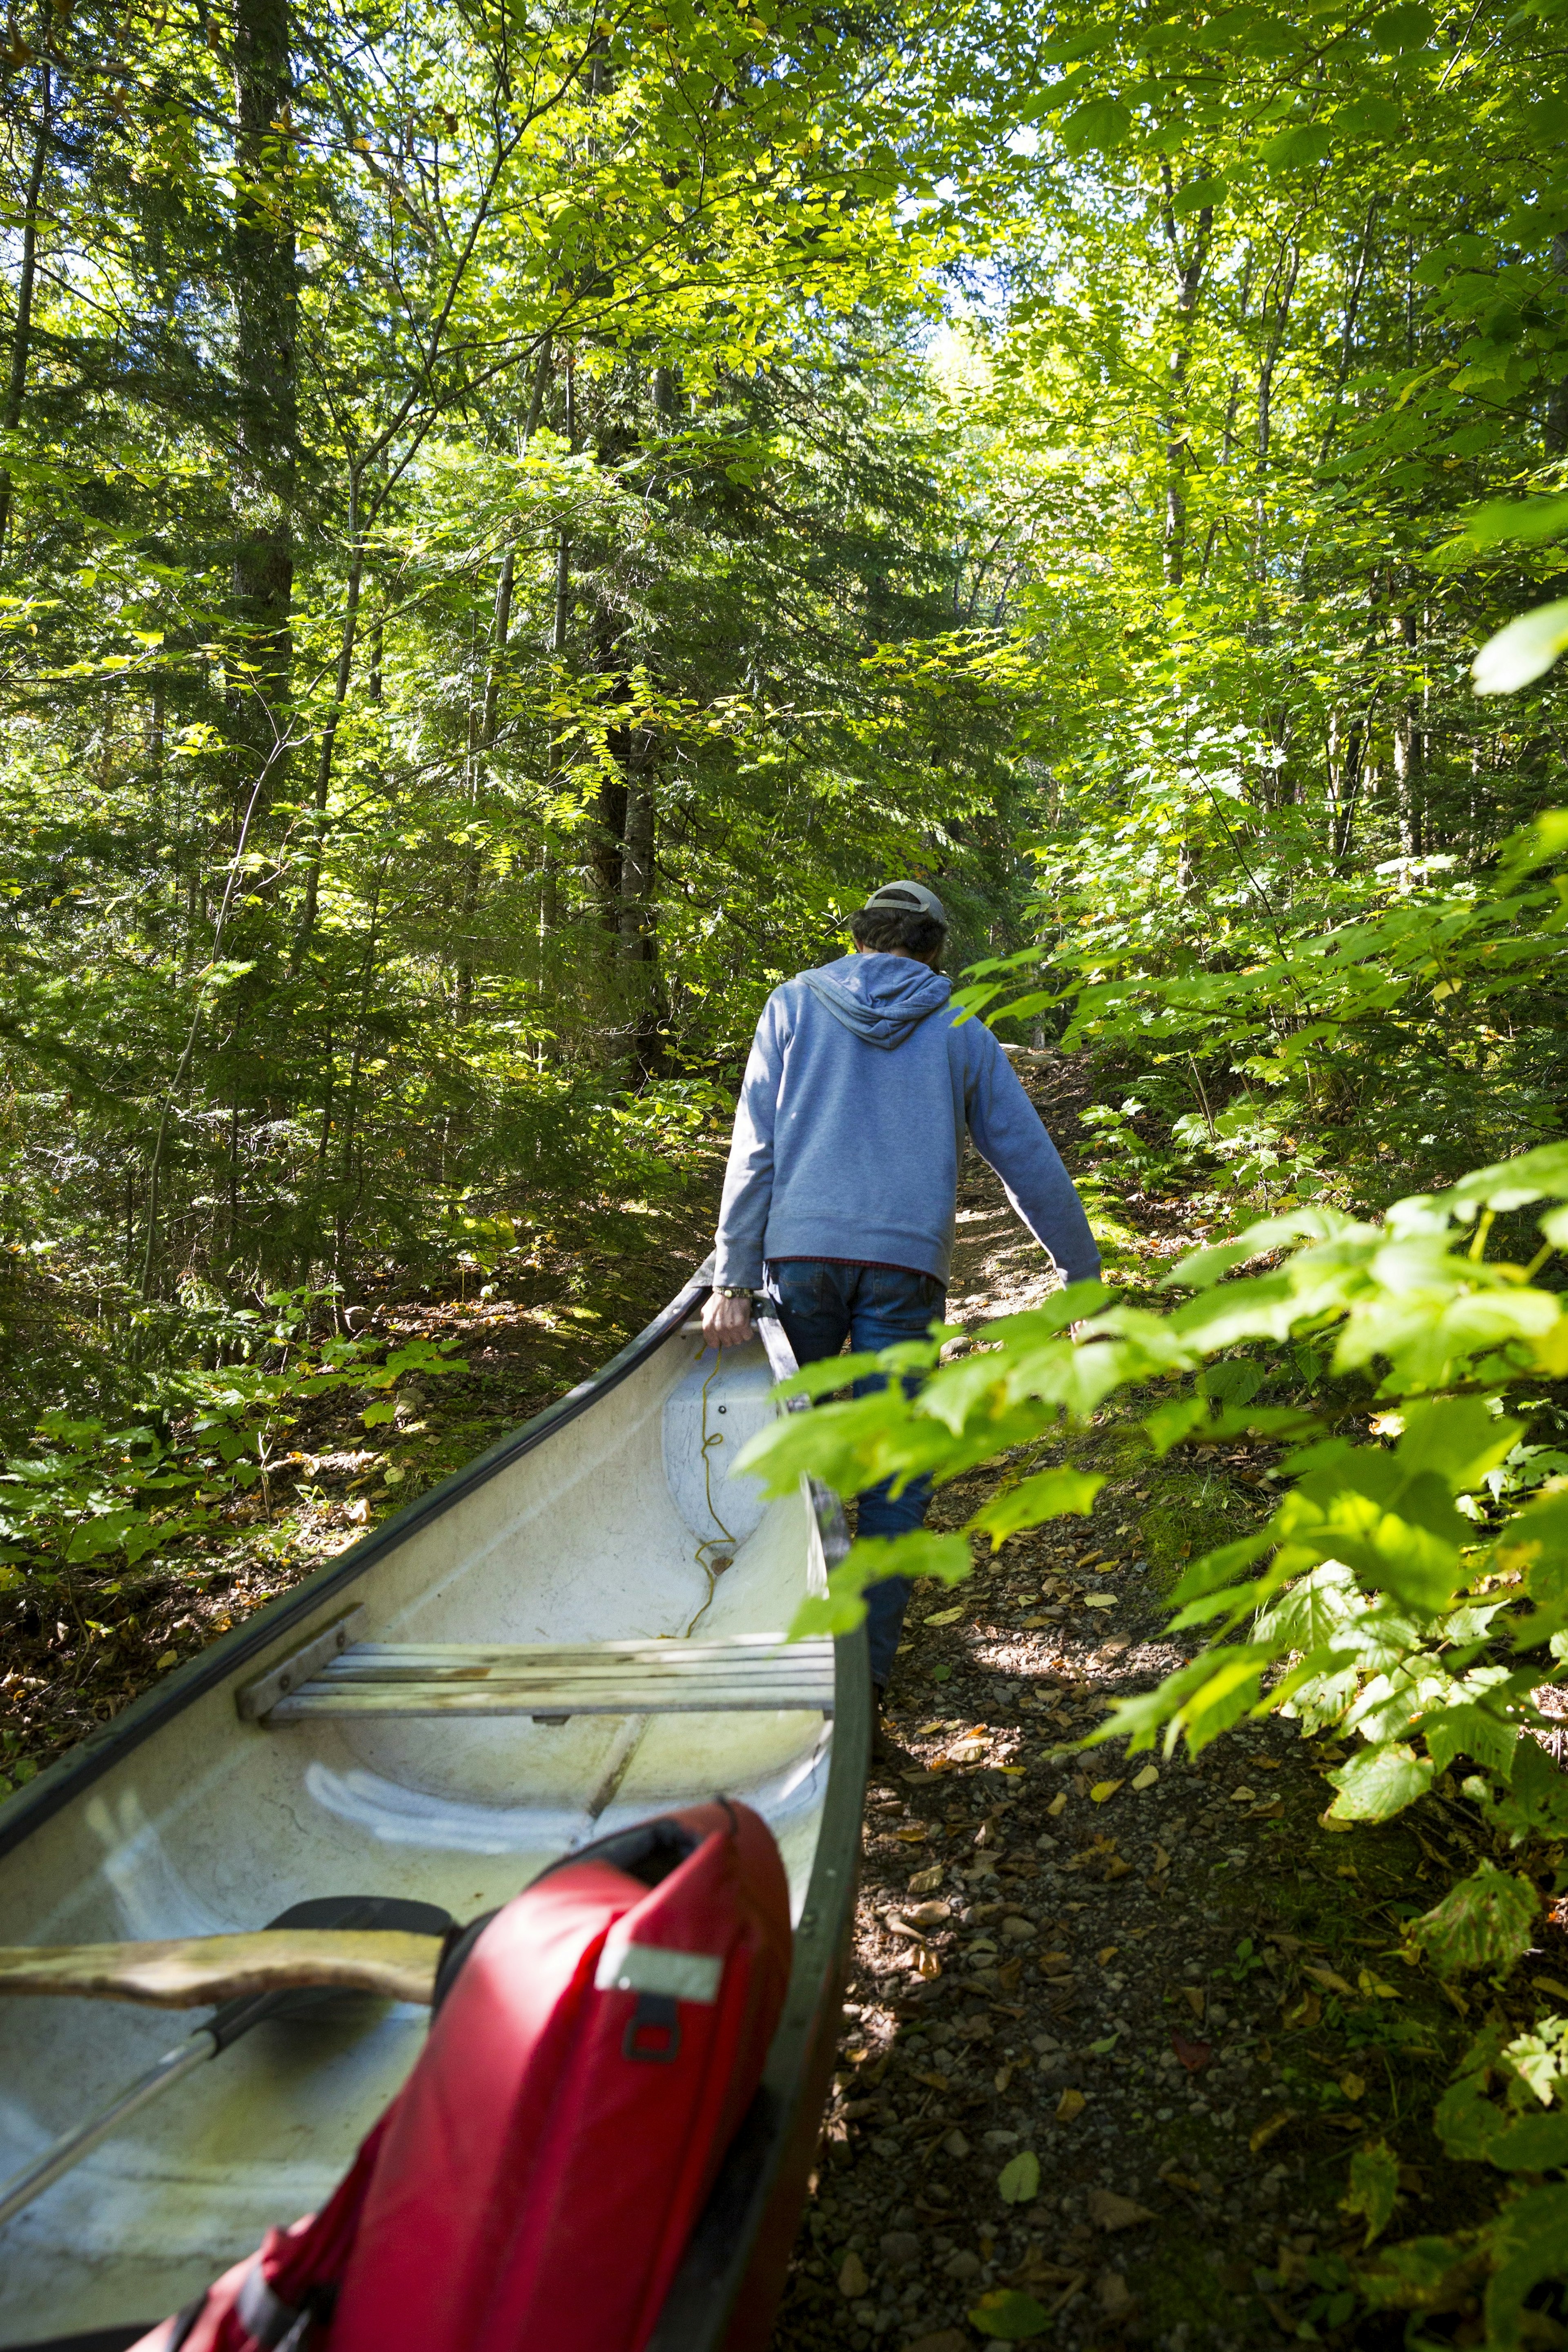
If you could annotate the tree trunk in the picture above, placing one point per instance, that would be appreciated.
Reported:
(22, 331)
(266, 396)
(637, 944)
(1347, 751)
(1409, 754)
(1188, 272)
(639, 938)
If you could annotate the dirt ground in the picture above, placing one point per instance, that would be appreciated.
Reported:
(1168, 1985)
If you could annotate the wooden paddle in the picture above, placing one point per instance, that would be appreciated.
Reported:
(197, 1971)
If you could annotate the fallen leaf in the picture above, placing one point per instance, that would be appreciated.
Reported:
(1107, 1952)
(915, 1834)
(1019, 2180)
(172, 1658)
(1033, 1625)
(1102, 1791)
(1174, 2176)
(934, 2082)
(852, 2279)
(1366, 1982)
(1162, 1860)
(1308, 2011)
(1004, 2075)
(1194, 2055)
(1266, 1764)
(1147, 1778)
(1274, 1812)
(1057, 1805)
(1243, 1796)
(1267, 2131)
(1551, 1985)
(1113, 2294)
(923, 1728)
(926, 1882)
(944, 1616)
(1327, 1978)
(928, 1915)
(1009, 2314)
(1100, 1601)
(1070, 2105)
(1108, 2211)
(1352, 2086)
(1196, 1999)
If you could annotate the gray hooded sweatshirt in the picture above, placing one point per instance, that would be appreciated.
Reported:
(849, 1132)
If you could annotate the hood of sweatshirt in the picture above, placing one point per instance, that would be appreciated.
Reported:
(881, 998)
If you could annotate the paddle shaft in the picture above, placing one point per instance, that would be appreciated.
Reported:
(72, 2145)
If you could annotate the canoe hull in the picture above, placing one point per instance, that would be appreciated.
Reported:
(179, 1819)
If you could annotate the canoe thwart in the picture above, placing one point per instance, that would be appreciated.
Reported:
(254, 1699)
(195, 1971)
(552, 1680)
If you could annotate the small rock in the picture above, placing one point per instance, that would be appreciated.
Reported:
(963, 2264)
(852, 2279)
(956, 2144)
(1000, 2139)
(900, 2249)
(951, 2339)
(1017, 1931)
(1108, 2211)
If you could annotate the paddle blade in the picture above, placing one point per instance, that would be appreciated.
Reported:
(194, 1972)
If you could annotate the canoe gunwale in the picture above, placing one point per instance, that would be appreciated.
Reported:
(61, 1782)
(726, 2292)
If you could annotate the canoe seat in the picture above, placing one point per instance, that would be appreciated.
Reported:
(551, 1681)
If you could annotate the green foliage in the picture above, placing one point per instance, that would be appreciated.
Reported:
(1374, 2188)
(112, 1498)
(1402, 1591)
(1486, 1921)
(1010, 2316)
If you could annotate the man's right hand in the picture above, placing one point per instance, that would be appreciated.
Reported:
(726, 1322)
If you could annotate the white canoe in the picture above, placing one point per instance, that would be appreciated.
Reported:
(379, 1761)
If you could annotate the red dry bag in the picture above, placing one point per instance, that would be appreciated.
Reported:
(533, 2186)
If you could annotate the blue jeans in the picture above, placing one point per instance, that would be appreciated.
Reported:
(821, 1304)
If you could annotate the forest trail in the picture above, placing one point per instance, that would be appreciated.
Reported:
(1165, 1982)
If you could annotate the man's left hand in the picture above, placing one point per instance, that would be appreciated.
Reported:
(726, 1322)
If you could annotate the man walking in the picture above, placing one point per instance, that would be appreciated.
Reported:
(843, 1178)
